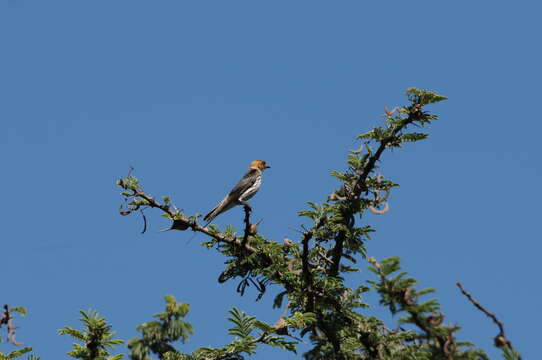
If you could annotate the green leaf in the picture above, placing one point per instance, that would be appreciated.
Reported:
(19, 309)
(263, 326)
(115, 357)
(18, 353)
(423, 97)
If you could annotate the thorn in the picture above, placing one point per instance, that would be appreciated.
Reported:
(388, 113)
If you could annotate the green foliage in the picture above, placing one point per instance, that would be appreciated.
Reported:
(312, 271)
(510, 353)
(423, 97)
(399, 295)
(96, 338)
(15, 354)
(19, 309)
(245, 342)
(157, 336)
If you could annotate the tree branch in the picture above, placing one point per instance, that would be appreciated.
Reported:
(307, 275)
(247, 225)
(182, 222)
(500, 339)
(337, 253)
(331, 336)
(360, 185)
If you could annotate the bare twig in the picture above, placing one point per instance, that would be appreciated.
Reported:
(500, 339)
(7, 319)
(144, 222)
(481, 308)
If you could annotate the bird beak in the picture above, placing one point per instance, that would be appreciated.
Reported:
(267, 167)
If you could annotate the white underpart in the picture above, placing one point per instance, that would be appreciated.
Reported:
(251, 191)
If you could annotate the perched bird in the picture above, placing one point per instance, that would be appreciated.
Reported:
(243, 191)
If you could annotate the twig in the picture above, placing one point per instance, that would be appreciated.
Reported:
(7, 319)
(359, 184)
(247, 225)
(500, 339)
(307, 276)
(183, 222)
(429, 325)
(144, 222)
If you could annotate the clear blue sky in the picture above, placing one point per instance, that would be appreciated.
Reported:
(189, 92)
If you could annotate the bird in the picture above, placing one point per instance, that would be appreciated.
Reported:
(245, 189)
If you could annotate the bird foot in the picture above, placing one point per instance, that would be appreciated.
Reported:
(247, 206)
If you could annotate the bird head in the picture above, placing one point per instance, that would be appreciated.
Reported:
(259, 165)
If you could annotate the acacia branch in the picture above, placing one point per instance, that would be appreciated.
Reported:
(182, 222)
(337, 253)
(500, 339)
(331, 336)
(307, 275)
(359, 186)
(428, 324)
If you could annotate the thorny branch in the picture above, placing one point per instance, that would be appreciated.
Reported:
(500, 339)
(7, 319)
(359, 186)
(353, 192)
(307, 275)
(180, 222)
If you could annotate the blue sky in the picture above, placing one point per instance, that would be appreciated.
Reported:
(190, 92)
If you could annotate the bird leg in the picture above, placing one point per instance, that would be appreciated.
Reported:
(246, 205)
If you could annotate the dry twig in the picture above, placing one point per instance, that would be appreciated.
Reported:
(7, 319)
(500, 339)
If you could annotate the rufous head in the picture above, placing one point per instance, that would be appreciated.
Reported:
(259, 165)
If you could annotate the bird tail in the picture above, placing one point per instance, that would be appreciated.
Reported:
(224, 205)
(211, 215)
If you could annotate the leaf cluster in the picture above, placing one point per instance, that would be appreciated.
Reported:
(96, 338)
(311, 271)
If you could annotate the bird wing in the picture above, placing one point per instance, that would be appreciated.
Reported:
(246, 182)
(231, 200)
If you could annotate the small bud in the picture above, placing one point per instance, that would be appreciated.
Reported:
(253, 229)
(501, 341)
